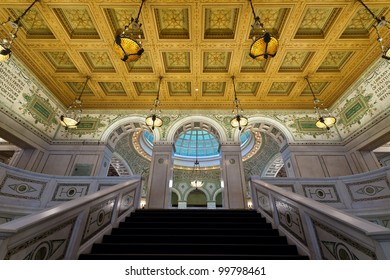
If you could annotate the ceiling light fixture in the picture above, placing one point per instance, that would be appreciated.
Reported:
(127, 44)
(154, 120)
(380, 22)
(238, 120)
(323, 121)
(6, 42)
(72, 116)
(196, 183)
(265, 46)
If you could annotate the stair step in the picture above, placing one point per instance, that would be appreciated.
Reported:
(148, 218)
(189, 248)
(192, 231)
(189, 257)
(194, 234)
(225, 225)
(194, 239)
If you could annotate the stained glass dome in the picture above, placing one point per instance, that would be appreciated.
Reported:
(186, 144)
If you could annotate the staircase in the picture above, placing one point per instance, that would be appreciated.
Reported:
(193, 234)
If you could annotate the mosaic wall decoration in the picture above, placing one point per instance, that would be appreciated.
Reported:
(336, 245)
(264, 202)
(22, 98)
(290, 219)
(259, 161)
(366, 102)
(49, 245)
(127, 201)
(322, 193)
(99, 217)
(21, 187)
(65, 192)
(92, 126)
(369, 190)
(307, 126)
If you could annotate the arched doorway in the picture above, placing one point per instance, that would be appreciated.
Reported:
(196, 198)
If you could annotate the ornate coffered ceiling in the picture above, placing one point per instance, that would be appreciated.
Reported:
(197, 46)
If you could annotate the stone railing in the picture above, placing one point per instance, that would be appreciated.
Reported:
(318, 230)
(24, 192)
(70, 228)
(366, 195)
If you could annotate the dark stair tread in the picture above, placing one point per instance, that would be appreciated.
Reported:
(189, 257)
(155, 234)
(195, 239)
(225, 225)
(210, 231)
(188, 248)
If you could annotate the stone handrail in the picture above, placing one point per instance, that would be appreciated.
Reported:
(318, 230)
(69, 229)
(356, 194)
(23, 192)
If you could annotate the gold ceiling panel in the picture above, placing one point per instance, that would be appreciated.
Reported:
(77, 22)
(247, 88)
(220, 22)
(196, 45)
(34, 24)
(295, 61)
(334, 61)
(250, 65)
(143, 65)
(272, 18)
(113, 88)
(146, 88)
(98, 61)
(177, 62)
(316, 22)
(172, 23)
(77, 87)
(60, 61)
(318, 88)
(118, 18)
(213, 88)
(216, 61)
(179, 88)
(361, 23)
(281, 88)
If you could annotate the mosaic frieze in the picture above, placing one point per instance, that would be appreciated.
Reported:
(335, 245)
(49, 245)
(126, 202)
(290, 219)
(65, 192)
(369, 190)
(264, 202)
(16, 187)
(321, 193)
(99, 217)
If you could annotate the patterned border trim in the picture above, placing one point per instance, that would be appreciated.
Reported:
(307, 187)
(34, 240)
(368, 182)
(342, 237)
(22, 180)
(132, 194)
(266, 195)
(94, 209)
(72, 185)
(284, 224)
